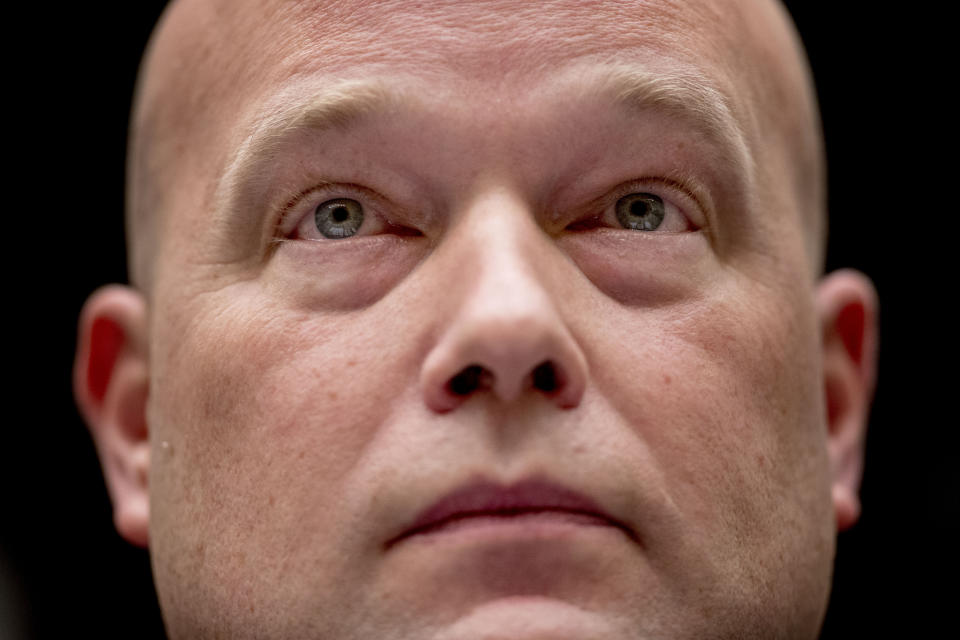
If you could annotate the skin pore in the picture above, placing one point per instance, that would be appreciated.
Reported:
(279, 408)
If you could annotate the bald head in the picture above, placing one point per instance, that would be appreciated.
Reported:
(211, 69)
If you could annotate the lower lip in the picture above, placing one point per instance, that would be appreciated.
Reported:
(527, 524)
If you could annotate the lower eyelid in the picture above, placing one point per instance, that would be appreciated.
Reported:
(367, 227)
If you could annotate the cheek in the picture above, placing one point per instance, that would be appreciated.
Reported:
(726, 396)
(264, 416)
(247, 383)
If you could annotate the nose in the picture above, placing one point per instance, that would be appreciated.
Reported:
(505, 334)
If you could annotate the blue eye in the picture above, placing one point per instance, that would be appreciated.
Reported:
(640, 211)
(339, 218)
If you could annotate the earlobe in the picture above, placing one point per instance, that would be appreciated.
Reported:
(110, 385)
(847, 303)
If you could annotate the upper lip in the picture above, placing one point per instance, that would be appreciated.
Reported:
(481, 497)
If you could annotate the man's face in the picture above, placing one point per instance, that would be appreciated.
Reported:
(484, 320)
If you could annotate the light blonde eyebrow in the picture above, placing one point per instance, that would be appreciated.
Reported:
(335, 107)
(681, 92)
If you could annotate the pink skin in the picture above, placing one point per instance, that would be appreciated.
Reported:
(299, 410)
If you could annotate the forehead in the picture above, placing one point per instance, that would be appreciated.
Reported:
(212, 54)
(484, 38)
(216, 67)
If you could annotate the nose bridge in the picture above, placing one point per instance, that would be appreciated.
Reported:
(506, 245)
(507, 336)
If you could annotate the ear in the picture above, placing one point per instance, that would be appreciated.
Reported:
(847, 303)
(110, 385)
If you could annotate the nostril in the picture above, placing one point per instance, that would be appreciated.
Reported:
(467, 381)
(545, 377)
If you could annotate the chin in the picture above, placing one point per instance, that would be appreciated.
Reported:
(531, 618)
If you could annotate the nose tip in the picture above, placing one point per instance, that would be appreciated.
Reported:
(507, 359)
(502, 334)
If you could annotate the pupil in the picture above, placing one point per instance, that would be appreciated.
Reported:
(340, 214)
(638, 208)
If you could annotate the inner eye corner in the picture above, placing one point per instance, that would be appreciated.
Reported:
(584, 224)
(409, 232)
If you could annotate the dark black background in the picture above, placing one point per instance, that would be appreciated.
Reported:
(891, 216)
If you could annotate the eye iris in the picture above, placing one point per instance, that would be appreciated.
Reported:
(641, 211)
(340, 218)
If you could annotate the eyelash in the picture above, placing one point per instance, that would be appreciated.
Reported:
(674, 184)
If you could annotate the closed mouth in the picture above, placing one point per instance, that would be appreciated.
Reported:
(485, 502)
